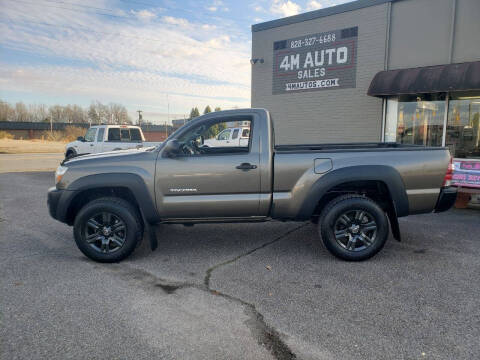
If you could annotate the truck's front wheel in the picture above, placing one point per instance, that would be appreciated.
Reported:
(107, 229)
(353, 227)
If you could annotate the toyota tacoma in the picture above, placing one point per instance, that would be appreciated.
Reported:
(354, 193)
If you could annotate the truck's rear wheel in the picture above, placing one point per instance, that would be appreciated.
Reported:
(353, 227)
(107, 229)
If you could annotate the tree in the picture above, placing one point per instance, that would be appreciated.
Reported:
(218, 108)
(207, 110)
(194, 113)
(93, 115)
(7, 113)
(21, 112)
(55, 112)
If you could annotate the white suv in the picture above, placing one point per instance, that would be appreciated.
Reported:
(103, 138)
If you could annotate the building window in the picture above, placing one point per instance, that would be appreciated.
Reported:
(415, 119)
(463, 128)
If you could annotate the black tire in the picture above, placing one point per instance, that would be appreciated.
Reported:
(70, 154)
(353, 239)
(123, 224)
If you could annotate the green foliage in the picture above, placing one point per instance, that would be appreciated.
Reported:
(207, 110)
(218, 108)
(194, 113)
(214, 130)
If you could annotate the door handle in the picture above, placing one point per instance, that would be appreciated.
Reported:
(246, 166)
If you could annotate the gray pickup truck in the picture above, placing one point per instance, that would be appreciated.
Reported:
(351, 191)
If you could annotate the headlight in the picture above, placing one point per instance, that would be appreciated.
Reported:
(61, 170)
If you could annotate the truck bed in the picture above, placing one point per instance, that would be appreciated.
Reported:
(339, 147)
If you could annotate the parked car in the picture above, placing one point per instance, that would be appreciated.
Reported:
(350, 191)
(229, 137)
(103, 138)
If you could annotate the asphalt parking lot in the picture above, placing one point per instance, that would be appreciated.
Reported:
(235, 291)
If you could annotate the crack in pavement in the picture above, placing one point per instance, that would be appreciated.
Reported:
(266, 335)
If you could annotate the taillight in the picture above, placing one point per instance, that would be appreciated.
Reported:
(447, 180)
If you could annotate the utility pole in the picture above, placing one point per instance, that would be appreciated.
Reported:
(139, 117)
(166, 130)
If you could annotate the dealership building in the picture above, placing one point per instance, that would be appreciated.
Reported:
(373, 70)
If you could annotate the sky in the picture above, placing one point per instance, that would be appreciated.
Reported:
(159, 56)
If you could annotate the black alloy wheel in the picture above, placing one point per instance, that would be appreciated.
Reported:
(353, 227)
(108, 229)
(105, 232)
(355, 230)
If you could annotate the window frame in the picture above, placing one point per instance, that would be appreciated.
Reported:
(215, 121)
(100, 132)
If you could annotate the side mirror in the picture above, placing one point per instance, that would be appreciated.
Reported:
(81, 138)
(172, 148)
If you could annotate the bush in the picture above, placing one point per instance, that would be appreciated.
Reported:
(5, 135)
(69, 134)
(73, 132)
(53, 136)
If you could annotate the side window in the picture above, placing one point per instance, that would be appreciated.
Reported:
(125, 135)
(224, 135)
(114, 134)
(246, 133)
(90, 135)
(101, 131)
(135, 134)
(206, 138)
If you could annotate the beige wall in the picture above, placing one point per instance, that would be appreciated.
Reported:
(341, 115)
(466, 44)
(397, 35)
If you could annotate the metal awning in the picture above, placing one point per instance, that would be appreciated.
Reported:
(430, 79)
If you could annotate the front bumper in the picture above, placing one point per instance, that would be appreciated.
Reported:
(446, 199)
(54, 196)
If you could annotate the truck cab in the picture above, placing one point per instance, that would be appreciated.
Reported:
(103, 138)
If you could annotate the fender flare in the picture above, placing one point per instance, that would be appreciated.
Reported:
(386, 174)
(133, 182)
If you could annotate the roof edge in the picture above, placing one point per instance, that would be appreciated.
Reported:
(338, 9)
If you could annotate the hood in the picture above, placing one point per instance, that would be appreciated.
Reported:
(111, 155)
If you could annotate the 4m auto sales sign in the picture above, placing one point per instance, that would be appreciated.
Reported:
(323, 61)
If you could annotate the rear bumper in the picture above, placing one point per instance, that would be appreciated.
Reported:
(446, 199)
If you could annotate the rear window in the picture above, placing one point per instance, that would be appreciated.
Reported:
(246, 133)
(114, 134)
(135, 134)
(125, 134)
(235, 134)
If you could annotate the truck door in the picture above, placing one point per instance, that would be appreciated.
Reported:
(88, 146)
(199, 182)
(113, 139)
